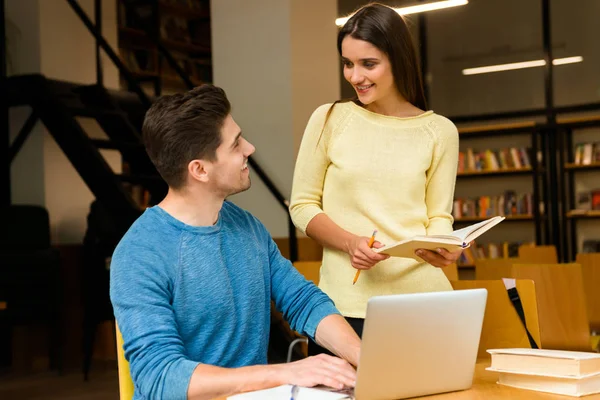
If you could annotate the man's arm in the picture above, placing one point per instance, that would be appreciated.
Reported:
(209, 381)
(308, 310)
(335, 334)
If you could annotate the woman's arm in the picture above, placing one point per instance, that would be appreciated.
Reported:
(306, 207)
(439, 191)
(328, 234)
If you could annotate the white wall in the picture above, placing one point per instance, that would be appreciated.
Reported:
(23, 53)
(315, 71)
(273, 58)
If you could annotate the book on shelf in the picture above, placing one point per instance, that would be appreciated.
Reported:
(572, 373)
(460, 238)
(489, 250)
(591, 246)
(494, 160)
(587, 153)
(508, 204)
(586, 202)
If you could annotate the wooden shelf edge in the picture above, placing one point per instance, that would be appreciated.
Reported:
(586, 214)
(571, 120)
(524, 217)
(472, 130)
(571, 166)
(496, 171)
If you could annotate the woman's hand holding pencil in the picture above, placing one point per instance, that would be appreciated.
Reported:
(361, 254)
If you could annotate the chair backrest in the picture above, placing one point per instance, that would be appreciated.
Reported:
(494, 268)
(451, 272)
(590, 268)
(25, 228)
(502, 327)
(125, 381)
(561, 304)
(310, 269)
(538, 254)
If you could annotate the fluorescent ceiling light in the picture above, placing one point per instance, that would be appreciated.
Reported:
(566, 60)
(438, 5)
(520, 65)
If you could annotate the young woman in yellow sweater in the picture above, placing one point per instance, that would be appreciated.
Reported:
(379, 162)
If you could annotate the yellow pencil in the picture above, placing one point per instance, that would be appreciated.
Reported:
(371, 241)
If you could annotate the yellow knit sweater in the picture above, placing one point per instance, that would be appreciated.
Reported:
(368, 171)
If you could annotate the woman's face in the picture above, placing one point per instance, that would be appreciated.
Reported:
(368, 70)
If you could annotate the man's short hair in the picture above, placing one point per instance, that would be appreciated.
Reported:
(180, 128)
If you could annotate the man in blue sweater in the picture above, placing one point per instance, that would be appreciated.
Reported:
(193, 278)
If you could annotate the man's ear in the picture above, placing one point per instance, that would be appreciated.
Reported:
(199, 170)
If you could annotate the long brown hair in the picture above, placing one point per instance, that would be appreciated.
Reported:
(381, 26)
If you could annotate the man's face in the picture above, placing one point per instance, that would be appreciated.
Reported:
(229, 172)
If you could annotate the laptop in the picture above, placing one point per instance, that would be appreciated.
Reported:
(419, 344)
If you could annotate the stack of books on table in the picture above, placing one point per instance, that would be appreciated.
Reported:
(570, 373)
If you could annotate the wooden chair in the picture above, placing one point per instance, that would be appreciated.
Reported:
(125, 381)
(310, 269)
(502, 327)
(590, 268)
(494, 268)
(561, 304)
(538, 254)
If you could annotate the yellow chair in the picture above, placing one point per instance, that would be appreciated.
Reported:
(311, 270)
(502, 327)
(590, 268)
(538, 254)
(125, 381)
(494, 268)
(562, 307)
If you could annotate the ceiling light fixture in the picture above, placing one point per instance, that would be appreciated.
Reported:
(520, 65)
(438, 5)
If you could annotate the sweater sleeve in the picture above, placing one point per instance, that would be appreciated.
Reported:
(441, 178)
(301, 302)
(141, 294)
(311, 166)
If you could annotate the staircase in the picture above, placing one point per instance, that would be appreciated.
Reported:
(120, 114)
(58, 104)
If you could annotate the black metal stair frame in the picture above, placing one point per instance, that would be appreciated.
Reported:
(37, 92)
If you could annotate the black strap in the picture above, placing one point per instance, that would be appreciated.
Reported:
(513, 295)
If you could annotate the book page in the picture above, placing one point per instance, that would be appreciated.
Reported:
(472, 232)
(285, 391)
(571, 355)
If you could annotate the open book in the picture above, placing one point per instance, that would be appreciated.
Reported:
(284, 393)
(460, 238)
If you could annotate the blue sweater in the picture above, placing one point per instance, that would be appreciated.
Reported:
(185, 295)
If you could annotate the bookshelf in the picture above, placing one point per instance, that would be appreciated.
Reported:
(579, 179)
(182, 27)
(502, 165)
